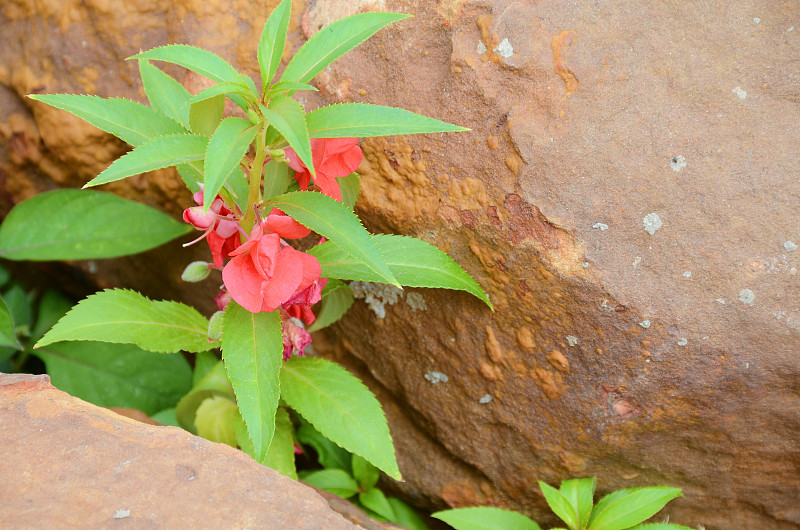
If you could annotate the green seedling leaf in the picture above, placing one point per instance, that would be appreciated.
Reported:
(222, 89)
(287, 116)
(337, 297)
(158, 153)
(333, 220)
(333, 41)
(192, 175)
(236, 186)
(52, 307)
(4, 276)
(333, 481)
(252, 348)
(78, 224)
(628, 507)
(362, 120)
(340, 407)
(165, 94)
(204, 362)
(580, 494)
(117, 375)
(19, 304)
(413, 262)
(226, 148)
(214, 383)
(365, 473)
(276, 179)
(272, 41)
(166, 417)
(485, 518)
(288, 88)
(8, 337)
(330, 455)
(280, 456)
(127, 317)
(216, 420)
(205, 115)
(560, 506)
(405, 515)
(375, 500)
(129, 121)
(350, 187)
(660, 526)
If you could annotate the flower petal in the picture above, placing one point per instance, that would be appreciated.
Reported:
(243, 283)
(288, 275)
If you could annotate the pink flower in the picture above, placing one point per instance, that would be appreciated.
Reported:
(218, 223)
(333, 158)
(295, 338)
(265, 272)
(279, 223)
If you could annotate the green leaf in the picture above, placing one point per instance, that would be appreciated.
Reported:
(660, 526)
(252, 348)
(129, 121)
(405, 515)
(628, 507)
(333, 481)
(165, 94)
(127, 317)
(362, 120)
(288, 88)
(205, 115)
(77, 224)
(333, 220)
(413, 262)
(375, 500)
(19, 305)
(237, 186)
(580, 494)
(340, 407)
(214, 383)
(161, 152)
(287, 116)
(365, 473)
(350, 187)
(485, 518)
(117, 375)
(216, 420)
(329, 455)
(276, 179)
(280, 456)
(166, 417)
(222, 89)
(560, 506)
(4, 276)
(224, 153)
(52, 307)
(337, 297)
(272, 42)
(204, 362)
(7, 335)
(333, 41)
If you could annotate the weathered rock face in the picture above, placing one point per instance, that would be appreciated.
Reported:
(627, 196)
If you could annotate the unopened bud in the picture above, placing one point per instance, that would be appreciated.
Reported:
(278, 155)
(253, 116)
(215, 326)
(196, 271)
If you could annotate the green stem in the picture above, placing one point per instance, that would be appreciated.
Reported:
(254, 196)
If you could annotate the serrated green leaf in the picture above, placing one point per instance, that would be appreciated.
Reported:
(375, 500)
(205, 115)
(252, 349)
(405, 515)
(333, 41)
(580, 494)
(19, 304)
(560, 506)
(413, 262)
(280, 456)
(165, 94)
(272, 42)
(485, 518)
(117, 375)
(225, 150)
(350, 187)
(362, 120)
(628, 507)
(216, 420)
(129, 121)
(204, 362)
(236, 186)
(287, 116)
(288, 88)
(329, 455)
(214, 383)
(333, 220)
(78, 224)
(52, 307)
(333, 481)
(158, 153)
(276, 179)
(365, 473)
(127, 317)
(4, 276)
(166, 417)
(660, 526)
(340, 407)
(222, 89)
(337, 297)
(7, 335)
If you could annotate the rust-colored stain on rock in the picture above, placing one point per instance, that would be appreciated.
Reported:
(560, 43)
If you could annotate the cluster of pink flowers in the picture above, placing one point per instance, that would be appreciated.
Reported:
(265, 273)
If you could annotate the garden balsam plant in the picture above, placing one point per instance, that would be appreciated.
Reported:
(624, 509)
(269, 175)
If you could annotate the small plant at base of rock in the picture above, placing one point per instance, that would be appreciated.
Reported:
(252, 177)
(624, 509)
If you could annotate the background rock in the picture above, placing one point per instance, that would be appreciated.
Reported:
(638, 357)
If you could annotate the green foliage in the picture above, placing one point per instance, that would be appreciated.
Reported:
(336, 481)
(337, 297)
(8, 336)
(628, 507)
(164, 93)
(213, 383)
(226, 148)
(272, 42)
(485, 518)
(276, 179)
(330, 455)
(350, 187)
(287, 116)
(76, 224)
(280, 456)
(215, 420)
(363, 120)
(206, 114)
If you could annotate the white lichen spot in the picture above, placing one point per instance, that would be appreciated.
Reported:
(652, 222)
(637, 260)
(122, 514)
(600, 226)
(720, 301)
(486, 398)
(436, 377)
(741, 94)
(376, 295)
(756, 20)
(683, 341)
(677, 162)
(747, 366)
(572, 340)
(687, 274)
(790, 246)
(585, 264)
(746, 296)
(790, 29)
(645, 324)
(481, 48)
(504, 49)
(416, 302)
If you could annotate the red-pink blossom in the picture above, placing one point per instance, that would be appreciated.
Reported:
(295, 338)
(220, 227)
(333, 158)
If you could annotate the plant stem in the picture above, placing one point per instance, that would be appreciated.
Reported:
(254, 196)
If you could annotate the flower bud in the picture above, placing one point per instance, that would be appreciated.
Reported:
(196, 271)
(215, 326)
(253, 116)
(278, 155)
